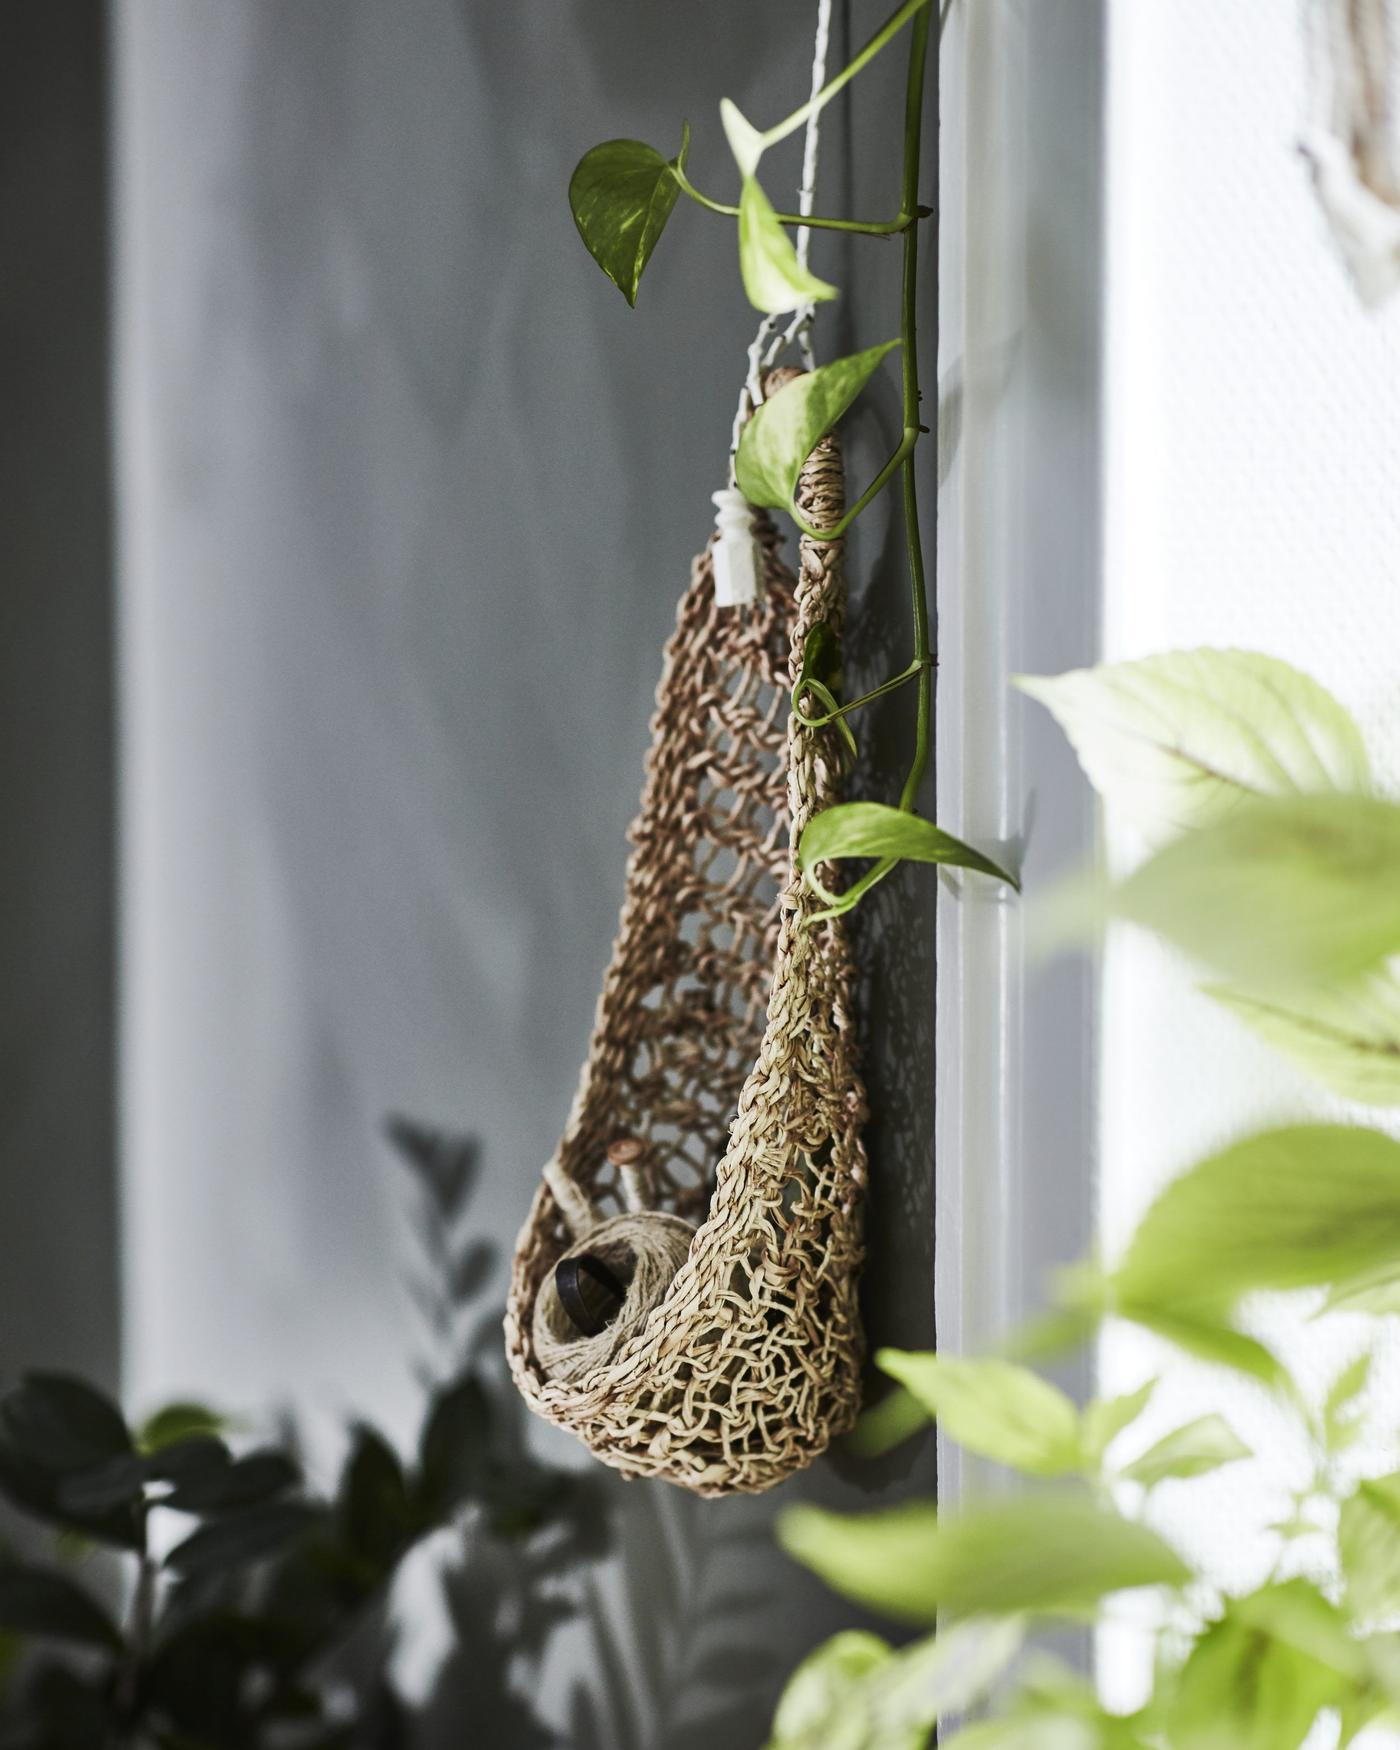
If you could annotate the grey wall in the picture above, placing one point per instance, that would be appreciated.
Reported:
(58, 1242)
(408, 496)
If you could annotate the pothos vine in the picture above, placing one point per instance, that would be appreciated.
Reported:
(622, 194)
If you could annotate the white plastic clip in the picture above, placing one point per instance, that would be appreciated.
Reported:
(736, 552)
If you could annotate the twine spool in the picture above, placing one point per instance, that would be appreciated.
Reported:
(644, 1250)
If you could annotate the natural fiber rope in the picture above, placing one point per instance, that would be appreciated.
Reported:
(740, 1368)
(646, 1250)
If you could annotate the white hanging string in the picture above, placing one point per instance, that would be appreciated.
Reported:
(766, 345)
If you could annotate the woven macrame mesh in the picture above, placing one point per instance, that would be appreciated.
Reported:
(723, 1044)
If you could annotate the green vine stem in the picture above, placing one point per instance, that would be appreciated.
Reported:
(890, 28)
(836, 711)
(909, 377)
(922, 664)
(860, 227)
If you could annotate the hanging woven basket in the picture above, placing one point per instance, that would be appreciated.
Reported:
(705, 1200)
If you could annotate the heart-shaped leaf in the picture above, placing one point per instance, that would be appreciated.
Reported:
(1175, 740)
(775, 280)
(1303, 1206)
(791, 423)
(1279, 895)
(1193, 1451)
(871, 829)
(745, 141)
(856, 1693)
(994, 1408)
(1345, 1036)
(621, 195)
(1048, 1554)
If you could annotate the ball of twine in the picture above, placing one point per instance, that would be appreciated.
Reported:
(644, 1250)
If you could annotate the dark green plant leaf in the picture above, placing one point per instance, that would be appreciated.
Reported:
(40, 1601)
(1278, 895)
(870, 829)
(994, 1408)
(179, 1422)
(196, 1459)
(775, 280)
(205, 1486)
(119, 1482)
(1050, 1554)
(521, 1496)
(375, 1513)
(36, 1491)
(240, 1538)
(209, 1677)
(621, 195)
(63, 1425)
(454, 1453)
(1299, 1207)
(790, 424)
(1192, 1451)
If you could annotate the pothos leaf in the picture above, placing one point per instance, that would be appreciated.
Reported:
(1175, 740)
(1192, 1451)
(1346, 1036)
(745, 141)
(788, 426)
(1302, 1206)
(855, 1693)
(1247, 1687)
(1368, 1540)
(775, 280)
(1208, 1335)
(993, 1407)
(1339, 1410)
(1278, 895)
(1048, 1554)
(871, 829)
(1104, 1419)
(821, 1683)
(621, 195)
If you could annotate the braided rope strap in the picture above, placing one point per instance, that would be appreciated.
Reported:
(735, 1356)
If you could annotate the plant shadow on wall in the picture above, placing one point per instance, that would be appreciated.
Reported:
(1270, 862)
(199, 1591)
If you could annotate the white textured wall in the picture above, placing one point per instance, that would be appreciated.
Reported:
(1253, 498)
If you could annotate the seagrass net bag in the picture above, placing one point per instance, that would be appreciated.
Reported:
(683, 1295)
